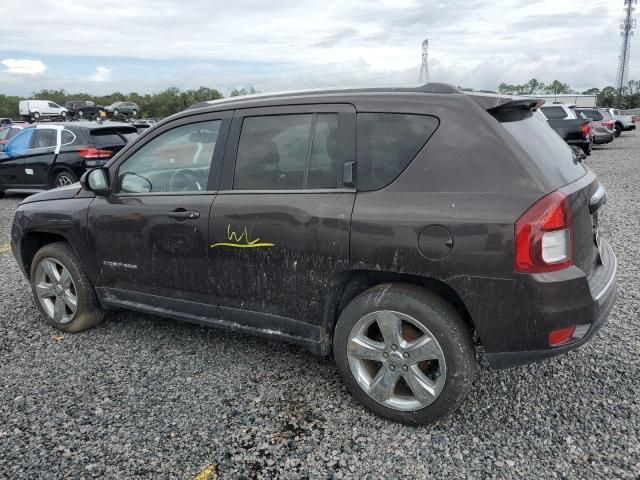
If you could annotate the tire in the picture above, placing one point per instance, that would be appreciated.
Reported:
(587, 148)
(81, 113)
(63, 178)
(134, 113)
(87, 312)
(618, 130)
(115, 112)
(36, 116)
(449, 377)
(63, 115)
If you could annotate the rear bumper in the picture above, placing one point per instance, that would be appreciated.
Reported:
(602, 286)
(600, 138)
(629, 127)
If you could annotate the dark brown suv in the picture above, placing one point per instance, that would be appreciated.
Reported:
(397, 228)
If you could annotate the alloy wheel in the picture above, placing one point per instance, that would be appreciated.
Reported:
(56, 290)
(63, 181)
(396, 360)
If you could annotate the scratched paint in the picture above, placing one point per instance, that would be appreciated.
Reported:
(240, 241)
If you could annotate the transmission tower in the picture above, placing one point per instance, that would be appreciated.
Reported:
(424, 69)
(626, 31)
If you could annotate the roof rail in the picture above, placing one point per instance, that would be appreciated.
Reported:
(432, 87)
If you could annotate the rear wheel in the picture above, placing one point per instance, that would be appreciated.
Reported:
(116, 112)
(64, 178)
(81, 113)
(405, 353)
(134, 112)
(36, 116)
(62, 291)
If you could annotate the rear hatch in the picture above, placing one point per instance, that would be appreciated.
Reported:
(112, 138)
(562, 170)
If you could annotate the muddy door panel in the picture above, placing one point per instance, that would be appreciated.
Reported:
(276, 253)
(153, 244)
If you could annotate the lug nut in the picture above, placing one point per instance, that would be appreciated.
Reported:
(385, 355)
(405, 355)
(394, 347)
(392, 368)
(404, 368)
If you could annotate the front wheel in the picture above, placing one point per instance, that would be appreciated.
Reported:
(405, 353)
(618, 130)
(116, 112)
(134, 113)
(62, 291)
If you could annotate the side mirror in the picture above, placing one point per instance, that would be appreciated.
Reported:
(96, 181)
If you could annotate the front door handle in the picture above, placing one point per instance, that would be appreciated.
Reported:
(182, 215)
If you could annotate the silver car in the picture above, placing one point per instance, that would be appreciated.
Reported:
(603, 125)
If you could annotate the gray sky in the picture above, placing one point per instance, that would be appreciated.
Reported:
(100, 46)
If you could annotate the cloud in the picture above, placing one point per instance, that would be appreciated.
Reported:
(23, 66)
(102, 74)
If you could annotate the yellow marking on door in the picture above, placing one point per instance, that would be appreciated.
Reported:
(5, 247)
(207, 473)
(240, 241)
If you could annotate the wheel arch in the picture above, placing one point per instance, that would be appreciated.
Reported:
(31, 242)
(345, 286)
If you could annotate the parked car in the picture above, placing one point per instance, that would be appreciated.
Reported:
(49, 154)
(123, 108)
(623, 123)
(602, 124)
(142, 125)
(83, 108)
(395, 228)
(573, 130)
(38, 109)
(8, 132)
(5, 121)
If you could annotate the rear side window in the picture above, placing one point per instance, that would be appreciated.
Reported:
(287, 152)
(67, 137)
(44, 137)
(554, 113)
(387, 142)
(545, 147)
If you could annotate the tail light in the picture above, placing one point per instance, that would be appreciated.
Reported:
(634, 118)
(543, 236)
(568, 334)
(608, 124)
(585, 129)
(94, 153)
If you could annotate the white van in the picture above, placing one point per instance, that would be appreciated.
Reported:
(38, 109)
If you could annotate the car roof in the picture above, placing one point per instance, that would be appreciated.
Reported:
(89, 125)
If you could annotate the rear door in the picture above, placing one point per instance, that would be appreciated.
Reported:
(38, 163)
(151, 234)
(279, 230)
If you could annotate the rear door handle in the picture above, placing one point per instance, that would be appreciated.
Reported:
(182, 215)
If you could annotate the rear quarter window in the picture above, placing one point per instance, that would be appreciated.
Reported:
(387, 143)
(554, 113)
(545, 147)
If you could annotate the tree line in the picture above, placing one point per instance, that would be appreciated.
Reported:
(607, 97)
(152, 105)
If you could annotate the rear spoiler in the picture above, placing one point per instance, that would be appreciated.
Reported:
(495, 103)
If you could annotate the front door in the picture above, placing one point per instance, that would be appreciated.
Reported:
(12, 160)
(150, 234)
(279, 230)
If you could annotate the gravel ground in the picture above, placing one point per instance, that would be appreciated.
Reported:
(143, 397)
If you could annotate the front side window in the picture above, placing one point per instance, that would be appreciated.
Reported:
(44, 138)
(386, 144)
(20, 143)
(53, 105)
(178, 160)
(288, 152)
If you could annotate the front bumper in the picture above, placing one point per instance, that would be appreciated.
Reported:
(602, 285)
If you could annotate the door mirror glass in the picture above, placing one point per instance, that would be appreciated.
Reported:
(96, 181)
(133, 183)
